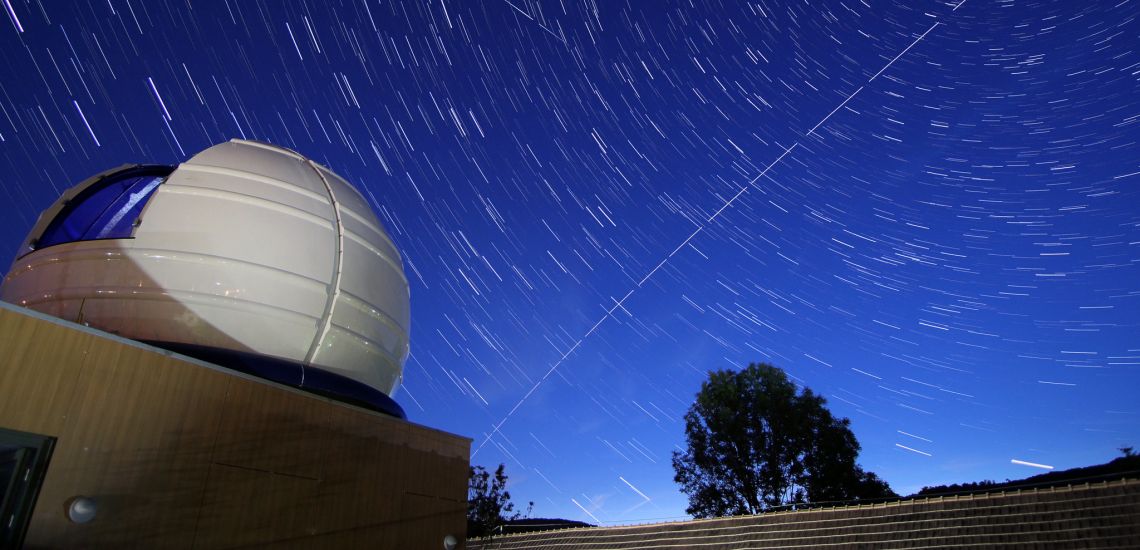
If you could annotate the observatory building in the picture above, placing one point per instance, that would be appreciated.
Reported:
(247, 255)
(205, 356)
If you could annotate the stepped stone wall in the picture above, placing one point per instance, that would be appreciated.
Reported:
(1091, 515)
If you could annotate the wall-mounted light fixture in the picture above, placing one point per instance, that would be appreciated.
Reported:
(81, 509)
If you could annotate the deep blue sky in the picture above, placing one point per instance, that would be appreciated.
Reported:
(952, 258)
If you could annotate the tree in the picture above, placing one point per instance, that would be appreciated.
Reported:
(488, 501)
(753, 443)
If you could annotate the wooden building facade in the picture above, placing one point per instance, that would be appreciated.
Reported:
(171, 452)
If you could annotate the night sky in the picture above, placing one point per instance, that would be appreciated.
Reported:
(928, 212)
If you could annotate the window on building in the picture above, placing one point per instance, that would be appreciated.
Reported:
(23, 463)
(107, 209)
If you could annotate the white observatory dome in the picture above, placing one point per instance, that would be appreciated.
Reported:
(247, 255)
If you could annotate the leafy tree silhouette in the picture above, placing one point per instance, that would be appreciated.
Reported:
(754, 443)
(489, 503)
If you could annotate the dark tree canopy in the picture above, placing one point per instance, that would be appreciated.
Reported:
(754, 443)
(489, 503)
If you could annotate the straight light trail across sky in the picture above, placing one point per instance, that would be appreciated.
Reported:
(885, 67)
(913, 450)
(1030, 464)
(560, 38)
(85, 123)
(12, 14)
(159, 97)
(635, 489)
(948, 248)
(712, 218)
(592, 516)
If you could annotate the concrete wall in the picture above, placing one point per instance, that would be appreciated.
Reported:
(1101, 515)
(181, 454)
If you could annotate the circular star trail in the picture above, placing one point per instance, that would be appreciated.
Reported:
(926, 211)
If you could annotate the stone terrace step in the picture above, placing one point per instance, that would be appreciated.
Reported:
(1102, 515)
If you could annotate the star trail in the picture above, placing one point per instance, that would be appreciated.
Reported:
(926, 211)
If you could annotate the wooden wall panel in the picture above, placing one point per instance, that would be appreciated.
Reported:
(182, 455)
(425, 518)
(264, 428)
(244, 507)
(138, 439)
(367, 466)
(38, 373)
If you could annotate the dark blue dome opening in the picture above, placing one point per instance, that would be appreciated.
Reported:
(107, 209)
